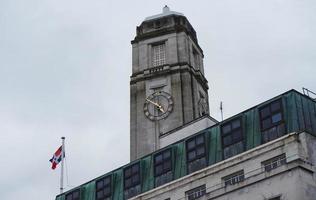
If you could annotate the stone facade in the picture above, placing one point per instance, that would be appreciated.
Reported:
(180, 73)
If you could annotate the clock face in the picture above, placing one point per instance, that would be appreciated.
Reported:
(158, 105)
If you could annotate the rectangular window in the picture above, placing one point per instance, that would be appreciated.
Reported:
(232, 138)
(103, 188)
(196, 193)
(234, 178)
(196, 153)
(196, 58)
(273, 163)
(159, 54)
(132, 180)
(74, 195)
(163, 167)
(271, 121)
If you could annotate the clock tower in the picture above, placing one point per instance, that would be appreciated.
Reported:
(168, 89)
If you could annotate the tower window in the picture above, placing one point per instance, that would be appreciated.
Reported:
(196, 153)
(159, 54)
(271, 121)
(196, 58)
(132, 180)
(74, 195)
(232, 138)
(163, 167)
(234, 178)
(103, 188)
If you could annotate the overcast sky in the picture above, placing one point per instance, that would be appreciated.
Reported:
(65, 68)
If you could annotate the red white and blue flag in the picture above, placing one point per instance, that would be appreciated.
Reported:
(57, 157)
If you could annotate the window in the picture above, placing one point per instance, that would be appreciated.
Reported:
(271, 121)
(232, 138)
(196, 153)
(196, 58)
(159, 54)
(234, 178)
(132, 180)
(163, 167)
(74, 195)
(196, 193)
(273, 163)
(103, 188)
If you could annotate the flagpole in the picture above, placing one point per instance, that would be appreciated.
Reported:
(62, 165)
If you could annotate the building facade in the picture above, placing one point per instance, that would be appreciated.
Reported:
(179, 152)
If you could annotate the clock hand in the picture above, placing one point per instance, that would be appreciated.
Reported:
(156, 104)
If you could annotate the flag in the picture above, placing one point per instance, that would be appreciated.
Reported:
(56, 157)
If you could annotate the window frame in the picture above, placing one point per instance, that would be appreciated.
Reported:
(72, 193)
(196, 58)
(271, 114)
(201, 188)
(103, 187)
(279, 160)
(195, 149)
(164, 160)
(230, 133)
(158, 57)
(229, 179)
(125, 178)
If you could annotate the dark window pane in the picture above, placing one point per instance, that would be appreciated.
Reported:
(158, 158)
(167, 166)
(107, 191)
(265, 112)
(199, 140)
(99, 184)
(236, 124)
(127, 172)
(191, 155)
(135, 179)
(100, 194)
(237, 135)
(128, 183)
(275, 106)
(227, 140)
(135, 169)
(75, 194)
(107, 181)
(167, 154)
(227, 152)
(266, 123)
(191, 144)
(159, 169)
(226, 129)
(69, 197)
(239, 147)
(276, 118)
(200, 151)
(265, 136)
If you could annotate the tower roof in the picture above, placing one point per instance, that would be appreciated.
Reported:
(165, 12)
